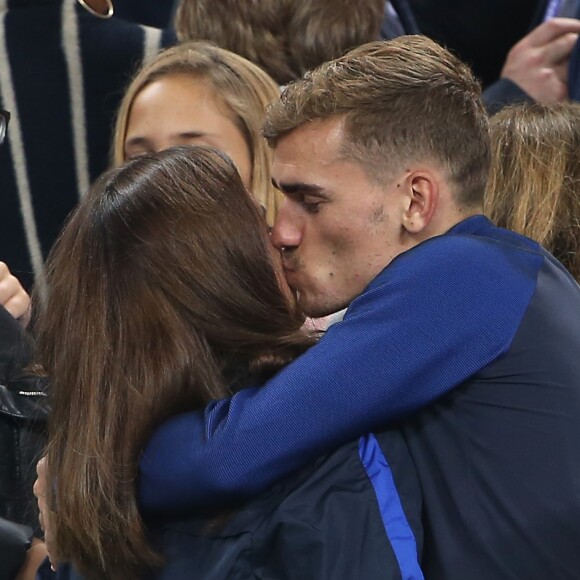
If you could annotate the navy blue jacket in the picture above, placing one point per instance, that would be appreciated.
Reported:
(481, 321)
(352, 515)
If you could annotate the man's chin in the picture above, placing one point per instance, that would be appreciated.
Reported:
(313, 309)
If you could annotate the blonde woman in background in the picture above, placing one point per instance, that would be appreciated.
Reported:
(534, 186)
(199, 94)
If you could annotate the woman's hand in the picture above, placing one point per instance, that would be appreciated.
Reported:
(13, 296)
(44, 509)
(34, 558)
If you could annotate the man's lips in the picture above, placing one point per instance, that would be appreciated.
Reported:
(290, 275)
(287, 266)
(293, 284)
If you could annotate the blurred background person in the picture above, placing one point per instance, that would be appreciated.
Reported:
(193, 306)
(534, 186)
(284, 37)
(520, 50)
(480, 32)
(23, 414)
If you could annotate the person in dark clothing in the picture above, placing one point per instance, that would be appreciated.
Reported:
(480, 32)
(540, 66)
(23, 413)
(464, 334)
(192, 306)
(156, 13)
(62, 76)
(23, 416)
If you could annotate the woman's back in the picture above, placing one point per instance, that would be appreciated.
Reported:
(352, 515)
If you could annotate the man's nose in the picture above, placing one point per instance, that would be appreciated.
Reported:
(287, 230)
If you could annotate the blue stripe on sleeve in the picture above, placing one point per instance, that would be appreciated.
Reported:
(396, 525)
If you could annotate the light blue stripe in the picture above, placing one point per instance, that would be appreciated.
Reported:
(552, 9)
(396, 525)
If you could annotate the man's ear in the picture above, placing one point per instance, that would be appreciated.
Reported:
(421, 199)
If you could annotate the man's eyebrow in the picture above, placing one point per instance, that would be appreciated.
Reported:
(299, 187)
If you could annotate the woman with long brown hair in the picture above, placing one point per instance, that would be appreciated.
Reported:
(164, 293)
(161, 308)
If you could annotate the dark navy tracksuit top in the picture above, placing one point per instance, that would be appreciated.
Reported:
(472, 339)
(352, 515)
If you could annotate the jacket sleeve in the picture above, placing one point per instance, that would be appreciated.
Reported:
(503, 93)
(357, 515)
(14, 542)
(15, 347)
(433, 318)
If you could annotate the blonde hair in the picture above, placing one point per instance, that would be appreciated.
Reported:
(534, 186)
(242, 86)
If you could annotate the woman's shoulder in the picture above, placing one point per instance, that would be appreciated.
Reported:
(309, 525)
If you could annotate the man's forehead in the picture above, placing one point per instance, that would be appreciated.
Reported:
(314, 144)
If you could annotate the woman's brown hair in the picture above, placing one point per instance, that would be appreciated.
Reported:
(162, 292)
(534, 186)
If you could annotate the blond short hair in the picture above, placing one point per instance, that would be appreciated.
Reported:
(402, 100)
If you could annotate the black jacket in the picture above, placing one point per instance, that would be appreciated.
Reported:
(23, 415)
(14, 542)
